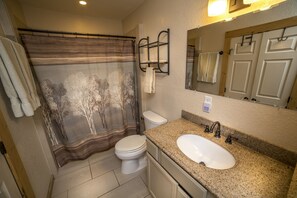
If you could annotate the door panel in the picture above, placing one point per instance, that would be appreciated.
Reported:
(160, 183)
(272, 78)
(240, 76)
(276, 68)
(275, 46)
(242, 66)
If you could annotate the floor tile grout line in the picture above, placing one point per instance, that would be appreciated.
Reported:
(105, 173)
(79, 184)
(118, 187)
(109, 156)
(145, 187)
(116, 177)
(142, 178)
(101, 160)
(90, 168)
(86, 182)
(132, 178)
(113, 188)
(57, 177)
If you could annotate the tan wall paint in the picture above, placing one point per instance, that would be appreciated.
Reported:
(37, 18)
(277, 126)
(1, 31)
(16, 12)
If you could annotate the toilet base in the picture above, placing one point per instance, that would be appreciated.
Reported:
(134, 165)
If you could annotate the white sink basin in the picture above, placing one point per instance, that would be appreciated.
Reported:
(204, 151)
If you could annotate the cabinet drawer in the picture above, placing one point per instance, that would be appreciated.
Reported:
(152, 149)
(184, 179)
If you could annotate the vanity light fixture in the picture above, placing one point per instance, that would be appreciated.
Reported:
(82, 2)
(216, 7)
(249, 1)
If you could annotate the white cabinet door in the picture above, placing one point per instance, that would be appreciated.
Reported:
(160, 183)
(181, 193)
(242, 66)
(276, 68)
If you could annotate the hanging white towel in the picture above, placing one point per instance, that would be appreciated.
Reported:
(149, 82)
(208, 67)
(13, 80)
(27, 73)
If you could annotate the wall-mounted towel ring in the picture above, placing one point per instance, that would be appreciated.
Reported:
(283, 38)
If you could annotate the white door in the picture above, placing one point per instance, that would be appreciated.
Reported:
(242, 66)
(276, 68)
(8, 186)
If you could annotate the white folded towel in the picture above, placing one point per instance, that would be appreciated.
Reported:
(208, 67)
(149, 81)
(27, 73)
(14, 81)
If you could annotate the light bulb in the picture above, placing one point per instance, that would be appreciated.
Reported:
(82, 2)
(216, 7)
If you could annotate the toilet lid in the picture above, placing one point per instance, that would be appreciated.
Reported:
(130, 143)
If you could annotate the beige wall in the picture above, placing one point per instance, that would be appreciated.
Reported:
(37, 18)
(27, 134)
(277, 126)
(16, 13)
(1, 31)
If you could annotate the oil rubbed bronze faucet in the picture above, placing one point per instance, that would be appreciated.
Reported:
(218, 131)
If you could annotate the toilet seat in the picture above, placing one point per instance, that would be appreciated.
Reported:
(131, 144)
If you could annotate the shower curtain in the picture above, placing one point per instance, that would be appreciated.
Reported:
(88, 89)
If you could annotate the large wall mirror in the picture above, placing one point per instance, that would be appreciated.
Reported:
(245, 60)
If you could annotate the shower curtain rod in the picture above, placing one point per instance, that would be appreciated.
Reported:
(74, 33)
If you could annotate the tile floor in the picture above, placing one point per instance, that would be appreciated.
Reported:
(99, 176)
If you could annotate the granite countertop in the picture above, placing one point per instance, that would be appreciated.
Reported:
(254, 174)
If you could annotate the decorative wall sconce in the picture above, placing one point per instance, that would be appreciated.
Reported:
(236, 5)
(217, 7)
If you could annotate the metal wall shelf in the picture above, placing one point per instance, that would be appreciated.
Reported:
(145, 44)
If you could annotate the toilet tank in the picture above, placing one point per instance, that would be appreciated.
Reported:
(152, 120)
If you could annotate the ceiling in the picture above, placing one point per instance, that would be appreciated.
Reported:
(112, 9)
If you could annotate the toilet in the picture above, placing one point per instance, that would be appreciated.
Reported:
(131, 149)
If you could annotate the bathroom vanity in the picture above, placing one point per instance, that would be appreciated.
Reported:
(172, 174)
(167, 179)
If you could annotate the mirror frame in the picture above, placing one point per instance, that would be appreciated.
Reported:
(280, 24)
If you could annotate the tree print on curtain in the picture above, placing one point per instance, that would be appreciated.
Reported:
(87, 106)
